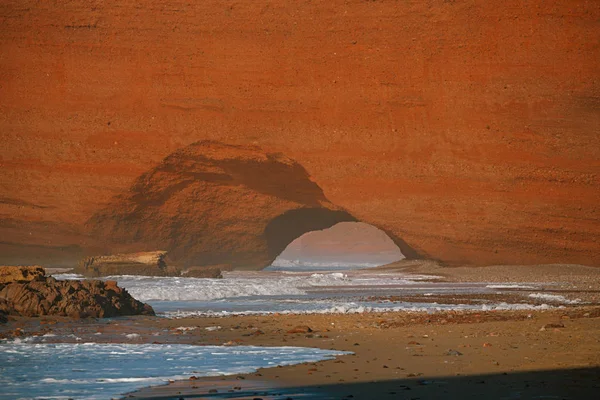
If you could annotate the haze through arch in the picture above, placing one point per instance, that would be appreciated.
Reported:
(348, 244)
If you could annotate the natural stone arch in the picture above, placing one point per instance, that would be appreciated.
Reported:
(345, 245)
(211, 203)
(285, 228)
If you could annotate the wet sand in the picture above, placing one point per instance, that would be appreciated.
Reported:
(446, 355)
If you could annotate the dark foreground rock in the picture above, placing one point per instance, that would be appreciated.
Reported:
(214, 272)
(78, 299)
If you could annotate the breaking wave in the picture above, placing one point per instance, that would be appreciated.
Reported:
(238, 284)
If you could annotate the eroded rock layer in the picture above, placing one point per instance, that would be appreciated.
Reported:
(469, 129)
(213, 204)
(144, 263)
(149, 263)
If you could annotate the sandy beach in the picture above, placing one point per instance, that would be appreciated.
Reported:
(551, 354)
(538, 353)
(495, 355)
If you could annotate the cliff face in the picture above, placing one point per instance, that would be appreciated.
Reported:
(470, 130)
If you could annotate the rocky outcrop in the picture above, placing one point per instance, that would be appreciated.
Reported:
(211, 203)
(467, 128)
(151, 263)
(78, 299)
(20, 274)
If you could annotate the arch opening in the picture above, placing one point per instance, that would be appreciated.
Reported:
(285, 228)
(343, 245)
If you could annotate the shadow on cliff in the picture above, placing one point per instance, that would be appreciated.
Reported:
(211, 203)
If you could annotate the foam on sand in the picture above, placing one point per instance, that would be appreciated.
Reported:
(323, 307)
(554, 298)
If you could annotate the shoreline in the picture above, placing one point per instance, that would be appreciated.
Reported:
(412, 352)
(543, 353)
(401, 350)
(506, 350)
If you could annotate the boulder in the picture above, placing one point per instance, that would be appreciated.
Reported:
(300, 329)
(78, 299)
(10, 274)
(213, 271)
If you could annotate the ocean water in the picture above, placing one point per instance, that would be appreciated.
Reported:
(35, 368)
(300, 289)
(104, 371)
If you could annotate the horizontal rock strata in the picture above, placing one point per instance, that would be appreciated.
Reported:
(150, 263)
(467, 128)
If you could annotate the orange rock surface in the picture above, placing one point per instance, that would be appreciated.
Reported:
(9, 273)
(469, 129)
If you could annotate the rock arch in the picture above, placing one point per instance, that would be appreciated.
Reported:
(211, 203)
(285, 228)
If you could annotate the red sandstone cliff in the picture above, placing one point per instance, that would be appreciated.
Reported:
(469, 129)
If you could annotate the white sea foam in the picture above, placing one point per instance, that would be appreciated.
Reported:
(245, 284)
(186, 328)
(303, 292)
(510, 286)
(212, 328)
(357, 308)
(555, 298)
(100, 371)
(281, 263)
(68, 277)
(131, 335)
